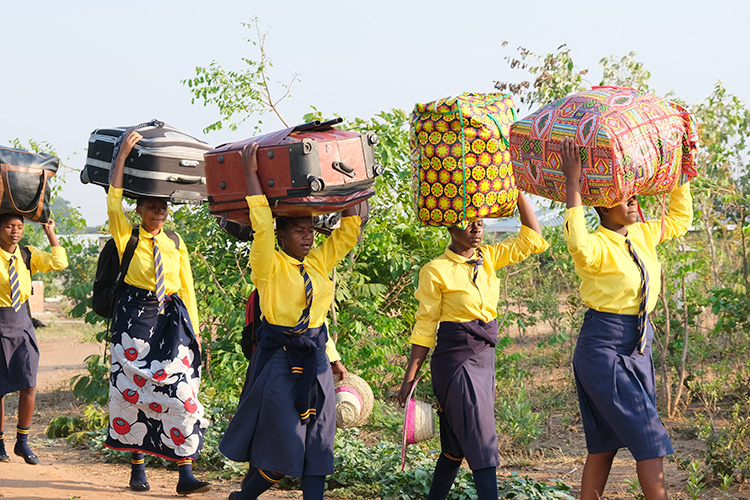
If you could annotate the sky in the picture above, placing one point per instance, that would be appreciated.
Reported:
(74, 66)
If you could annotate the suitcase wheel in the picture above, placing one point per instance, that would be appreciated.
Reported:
(378, 169)
(372, 138)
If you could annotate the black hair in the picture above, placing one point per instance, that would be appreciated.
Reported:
(284, 223)
(143, 199)
(5, 217)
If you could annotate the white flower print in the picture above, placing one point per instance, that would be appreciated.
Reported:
(124, 426)
(165, 372)
(130, 350)
(190, 402)
(186, 356)
(178, 435)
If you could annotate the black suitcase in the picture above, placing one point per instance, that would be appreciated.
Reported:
(166, 163)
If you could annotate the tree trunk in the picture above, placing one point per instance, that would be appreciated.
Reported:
(666, 386)
(685, 339)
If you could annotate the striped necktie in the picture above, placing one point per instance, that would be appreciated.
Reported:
(15, 287)
(643, 297)
(478, 261)
(158, 275)
(304, 319)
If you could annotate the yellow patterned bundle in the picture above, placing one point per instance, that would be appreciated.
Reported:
(461, 165)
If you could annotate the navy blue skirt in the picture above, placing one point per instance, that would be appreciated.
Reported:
(266, 429)
(616, 388)
(463, 380)
(19, 353)
(154, 378)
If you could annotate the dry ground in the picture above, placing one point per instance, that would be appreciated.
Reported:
(66, 473)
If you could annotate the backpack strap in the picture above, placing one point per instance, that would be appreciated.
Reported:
(173, 236)
(127, 256)
(26, 255)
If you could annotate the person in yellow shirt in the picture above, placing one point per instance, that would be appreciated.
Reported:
(458, 295)
(614, 370)
(19, 353)
(155, 344)
(286, 417)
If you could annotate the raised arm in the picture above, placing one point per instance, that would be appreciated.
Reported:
(571, 167)
(127, 146)
(528, 217)
(262, 252)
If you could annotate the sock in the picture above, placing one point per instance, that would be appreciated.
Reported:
(2, 445)
(313, 487)
(138, 481)
(22, 445)
(257, 484)
(442, 480)
(485, 481)
(250, 471)
(188, 483)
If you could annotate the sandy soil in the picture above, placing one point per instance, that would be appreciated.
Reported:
(66, 473)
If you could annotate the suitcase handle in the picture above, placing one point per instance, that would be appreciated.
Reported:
(186, 179)
(317, 125)
(344, 169)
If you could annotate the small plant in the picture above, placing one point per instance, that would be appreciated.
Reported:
(695, 480)
(634, 489)
(525, 488)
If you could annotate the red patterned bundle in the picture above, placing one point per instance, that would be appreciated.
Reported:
(460, 159)
(631, 143)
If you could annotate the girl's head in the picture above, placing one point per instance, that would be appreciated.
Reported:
(295, 235)
(153, 212)
(11, 231)
(470, 237)
(624, 214)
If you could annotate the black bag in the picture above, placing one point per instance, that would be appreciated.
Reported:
(166, 163)
(23, 183)
(110, 273)
(249, 339)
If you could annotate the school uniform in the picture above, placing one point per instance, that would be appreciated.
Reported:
(458, 300)
(156, 363)
(286, 417)
(612, 362)
(19, 353)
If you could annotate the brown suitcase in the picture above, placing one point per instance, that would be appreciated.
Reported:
(310, 169)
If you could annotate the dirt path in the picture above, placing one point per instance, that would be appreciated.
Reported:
(67, 473)
(75, 474)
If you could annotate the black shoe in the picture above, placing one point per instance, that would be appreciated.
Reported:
(233, 495)
(137, 486)
(30, 458)
(4, 457)
(197, 487)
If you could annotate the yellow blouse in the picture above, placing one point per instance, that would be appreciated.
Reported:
(446, 291)
(41, 262)
(277, 276)
(610, 279)
(178, 276)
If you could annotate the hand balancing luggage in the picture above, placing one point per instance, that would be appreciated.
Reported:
(310, 169)
(166, 163)
(461, 167)
(24, 188)
(631, 143)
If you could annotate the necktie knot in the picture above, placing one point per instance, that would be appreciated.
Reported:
(476, 262)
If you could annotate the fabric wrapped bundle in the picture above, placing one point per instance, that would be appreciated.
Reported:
(461, 165)
(631, 143)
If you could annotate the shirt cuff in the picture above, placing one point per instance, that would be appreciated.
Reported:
(574, 227)
(58, 251)
(423, 340)
(256, 200)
